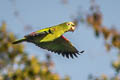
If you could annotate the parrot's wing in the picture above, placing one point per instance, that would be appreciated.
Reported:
(39, 33)
(60, 45)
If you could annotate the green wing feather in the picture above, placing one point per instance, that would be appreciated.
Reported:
(60, 46)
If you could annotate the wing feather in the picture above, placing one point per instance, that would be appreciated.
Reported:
(61, 46)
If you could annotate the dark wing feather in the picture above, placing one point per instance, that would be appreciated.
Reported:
(35, 35)
(61, 46)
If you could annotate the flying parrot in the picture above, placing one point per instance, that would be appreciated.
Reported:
(53, 40)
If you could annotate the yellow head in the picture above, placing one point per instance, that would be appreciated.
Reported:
(69, 26)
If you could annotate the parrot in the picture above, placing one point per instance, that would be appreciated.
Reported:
(52, 39)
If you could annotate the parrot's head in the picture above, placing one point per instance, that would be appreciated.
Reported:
(70, 26)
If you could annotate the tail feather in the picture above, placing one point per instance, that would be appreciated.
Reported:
(19, 41)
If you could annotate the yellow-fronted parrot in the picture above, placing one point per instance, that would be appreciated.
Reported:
(53, 40)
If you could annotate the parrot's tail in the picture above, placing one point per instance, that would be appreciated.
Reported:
(19, 41)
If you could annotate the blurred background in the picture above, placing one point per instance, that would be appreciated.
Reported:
(98, 33)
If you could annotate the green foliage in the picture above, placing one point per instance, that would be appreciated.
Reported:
(16, 65)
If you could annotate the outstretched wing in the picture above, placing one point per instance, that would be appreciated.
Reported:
(39, 33)
(35, 37)
(61, 46)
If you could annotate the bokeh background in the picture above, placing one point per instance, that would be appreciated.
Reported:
(98, 33)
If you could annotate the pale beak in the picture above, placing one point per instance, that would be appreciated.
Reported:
(72, 28)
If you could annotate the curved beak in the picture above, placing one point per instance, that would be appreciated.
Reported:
(72, 28)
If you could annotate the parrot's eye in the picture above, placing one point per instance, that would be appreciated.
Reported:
(68, 24)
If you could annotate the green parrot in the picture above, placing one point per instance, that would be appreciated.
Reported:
(53, 40)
